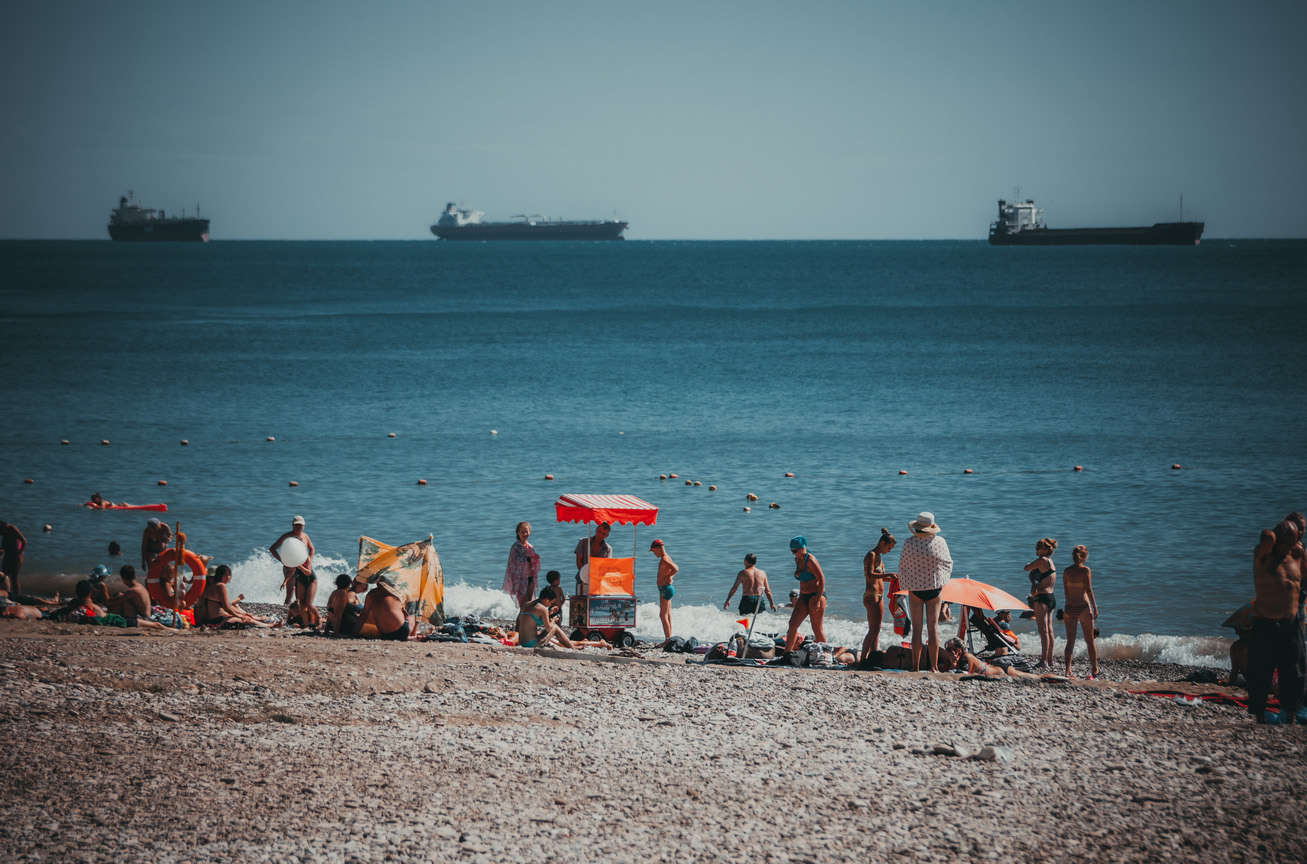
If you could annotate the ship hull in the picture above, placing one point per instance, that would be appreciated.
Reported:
(525, 231)
(162, 231)
(1160, 234)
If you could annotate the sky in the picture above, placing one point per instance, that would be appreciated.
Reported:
(690, 120)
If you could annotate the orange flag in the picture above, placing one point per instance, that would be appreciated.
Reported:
(743, 622)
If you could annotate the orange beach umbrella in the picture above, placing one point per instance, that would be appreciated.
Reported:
(978, 595)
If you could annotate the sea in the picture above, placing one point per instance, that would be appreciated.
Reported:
(1145, 402)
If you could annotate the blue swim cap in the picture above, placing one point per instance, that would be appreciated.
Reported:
(799, 542)
(100, 571)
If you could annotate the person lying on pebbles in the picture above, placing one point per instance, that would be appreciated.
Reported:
(958, 657)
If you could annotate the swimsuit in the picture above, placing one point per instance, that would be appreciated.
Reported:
(400, 634)
(802, 573)
(1047, 599)
(1075, 610)
(928, 595)
(750, 603)
(666, 591)
(305, 579)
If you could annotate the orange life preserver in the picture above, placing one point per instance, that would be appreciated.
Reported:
(191, 593)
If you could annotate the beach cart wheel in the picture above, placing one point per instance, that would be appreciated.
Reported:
(626, 640)
(594, 636)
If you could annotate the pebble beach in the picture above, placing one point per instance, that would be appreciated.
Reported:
(214, 747)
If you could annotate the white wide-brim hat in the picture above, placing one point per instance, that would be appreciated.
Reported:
(924, 524)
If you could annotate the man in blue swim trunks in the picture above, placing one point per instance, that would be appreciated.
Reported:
(666, 572)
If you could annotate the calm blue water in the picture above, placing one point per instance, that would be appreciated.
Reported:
(727, 363)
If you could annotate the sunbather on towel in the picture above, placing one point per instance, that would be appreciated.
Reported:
(960, 657)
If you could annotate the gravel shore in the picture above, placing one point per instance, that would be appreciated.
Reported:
(278, 747)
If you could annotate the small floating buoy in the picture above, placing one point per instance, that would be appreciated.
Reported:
(1077, 468)
(751, 497)
(64, 441)
(270, 438)
(1175, 467)
(966, 470)
(697, 483)
(662, 476)
(29, 480)
(421, 482)
(673, 476)
(903, 472)
(47, 528)
(774, 506)
(293, 483)
(789, 473)
(391, 435)
(185, 442)
(688, 483)
(104, 442)
(494, 431)
(746, 509)
(163, 482)
(712, 488)
(549, 476)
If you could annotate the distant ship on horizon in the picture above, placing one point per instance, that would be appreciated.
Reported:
(461, 224)
(1019, 224)
(131, 222)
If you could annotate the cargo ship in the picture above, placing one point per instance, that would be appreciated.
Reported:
(132, 222)
(459, 224)
(1019, 225)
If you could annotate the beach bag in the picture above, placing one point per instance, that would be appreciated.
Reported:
(716, 652)
(760, 647)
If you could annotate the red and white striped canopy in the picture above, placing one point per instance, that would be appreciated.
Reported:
(618, 509)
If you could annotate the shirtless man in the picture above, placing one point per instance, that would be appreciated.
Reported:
(134, 600)
(753, 583)
(666, 572)
(301, 580)
(1275, 640)
(535, 628)
(384, 607)
(154, 539)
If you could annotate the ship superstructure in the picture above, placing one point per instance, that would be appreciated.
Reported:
(132, 222)
(462, 224)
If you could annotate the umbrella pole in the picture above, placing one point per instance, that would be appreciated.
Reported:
(749, 636)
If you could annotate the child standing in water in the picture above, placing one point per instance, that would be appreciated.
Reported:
(1080, 606)
(1043, 575)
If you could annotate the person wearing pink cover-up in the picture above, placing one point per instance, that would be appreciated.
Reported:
(523, 566)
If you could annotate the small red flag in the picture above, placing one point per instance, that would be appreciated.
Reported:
(743, 622)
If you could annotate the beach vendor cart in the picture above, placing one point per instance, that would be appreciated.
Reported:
(605, 605)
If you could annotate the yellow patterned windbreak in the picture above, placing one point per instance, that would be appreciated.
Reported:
(415, 569)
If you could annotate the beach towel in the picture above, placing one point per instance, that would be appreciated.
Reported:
(411, 571)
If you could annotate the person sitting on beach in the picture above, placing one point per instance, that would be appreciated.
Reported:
(343, 606)
(960, 658)
(752, 582)
(873, 593)
(1043, 575)
(80, 607)
(154, 539)
(214, 609)
(534, 627)
(1275, 638)
(99, 591)
(384, 607)
(812, 594)
(553, 579)
(133, 601)
(1079, 608)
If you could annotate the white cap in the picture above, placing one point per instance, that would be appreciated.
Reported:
(298, 520)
